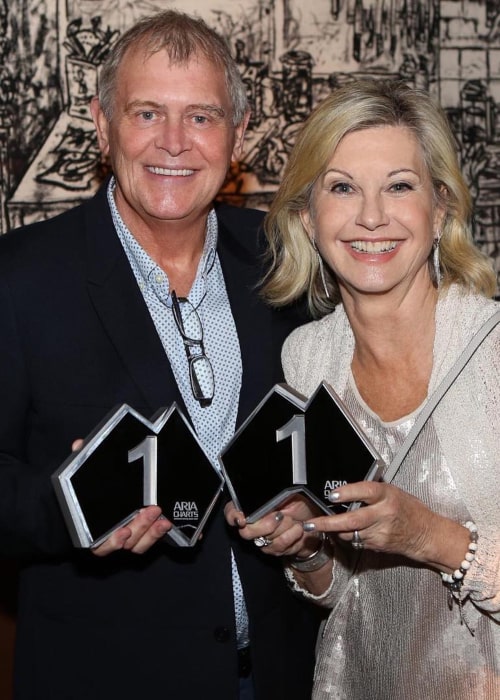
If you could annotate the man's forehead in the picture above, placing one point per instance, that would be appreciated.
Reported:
(143, 53)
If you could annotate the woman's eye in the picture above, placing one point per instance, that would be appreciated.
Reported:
(340, 187)
(400, 187)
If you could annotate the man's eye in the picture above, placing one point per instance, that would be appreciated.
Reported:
(200, 118)
(147, 116)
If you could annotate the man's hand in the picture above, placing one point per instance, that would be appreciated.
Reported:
(141, 533)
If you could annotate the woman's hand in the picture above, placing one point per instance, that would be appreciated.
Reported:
(393, 521)
(281, 532)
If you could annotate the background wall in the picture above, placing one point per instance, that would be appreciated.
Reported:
(291, 53)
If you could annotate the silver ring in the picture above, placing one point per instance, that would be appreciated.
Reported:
(357, 542)
(262, 541)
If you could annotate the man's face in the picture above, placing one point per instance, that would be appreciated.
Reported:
(170, 139)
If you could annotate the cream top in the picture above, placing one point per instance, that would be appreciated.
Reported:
(391, 634)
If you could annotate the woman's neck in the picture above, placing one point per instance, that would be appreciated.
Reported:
(393, 352)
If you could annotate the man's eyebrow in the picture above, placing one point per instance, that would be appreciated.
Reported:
(142, 104)
(214, 109)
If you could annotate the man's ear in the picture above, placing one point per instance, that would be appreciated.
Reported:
(239, 138)
(101, 125)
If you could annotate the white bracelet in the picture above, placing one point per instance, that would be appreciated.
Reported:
(455, 580)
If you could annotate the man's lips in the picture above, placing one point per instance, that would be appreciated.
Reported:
(171, 172)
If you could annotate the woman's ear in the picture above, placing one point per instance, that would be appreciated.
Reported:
(440, 209)
(305, 217)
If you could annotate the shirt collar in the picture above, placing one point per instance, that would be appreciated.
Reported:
(145, 265)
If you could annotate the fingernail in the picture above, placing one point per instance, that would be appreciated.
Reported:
(333, 496)
(308, 527)
(279, 516)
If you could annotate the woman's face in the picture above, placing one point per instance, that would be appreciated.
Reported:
(374, 214)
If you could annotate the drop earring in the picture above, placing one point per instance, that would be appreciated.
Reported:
(321, 268)
(435, 260)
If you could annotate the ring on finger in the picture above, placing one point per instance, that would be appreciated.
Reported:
(357, 542)
(262, 541)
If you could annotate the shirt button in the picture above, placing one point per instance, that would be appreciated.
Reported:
(222, 634)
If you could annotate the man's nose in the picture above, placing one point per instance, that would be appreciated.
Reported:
(173, 137)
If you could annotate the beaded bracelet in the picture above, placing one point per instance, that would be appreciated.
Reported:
(456, 579)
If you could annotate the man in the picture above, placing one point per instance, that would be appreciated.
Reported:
(87, 323)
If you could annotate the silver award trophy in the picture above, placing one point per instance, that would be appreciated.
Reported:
(128, 462)
(289, 445)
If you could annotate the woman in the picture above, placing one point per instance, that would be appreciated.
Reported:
(371, 221)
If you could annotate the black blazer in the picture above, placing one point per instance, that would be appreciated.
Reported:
(77, 340)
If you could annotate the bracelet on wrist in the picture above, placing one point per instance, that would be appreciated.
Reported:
(314, 561)
(456, 579)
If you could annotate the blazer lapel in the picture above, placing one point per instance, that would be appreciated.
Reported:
(119, 303)
(254, 321)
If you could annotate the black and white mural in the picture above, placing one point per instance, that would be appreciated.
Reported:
(292, 53)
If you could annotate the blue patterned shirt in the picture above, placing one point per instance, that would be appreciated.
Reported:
(214, 424)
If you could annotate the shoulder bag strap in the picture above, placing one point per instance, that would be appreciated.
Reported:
(438, 394)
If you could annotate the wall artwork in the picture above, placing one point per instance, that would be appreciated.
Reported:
(291, 55)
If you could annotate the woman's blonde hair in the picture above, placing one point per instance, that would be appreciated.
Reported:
(363, 104)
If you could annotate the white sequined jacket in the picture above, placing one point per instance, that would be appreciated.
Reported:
(467, 425)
